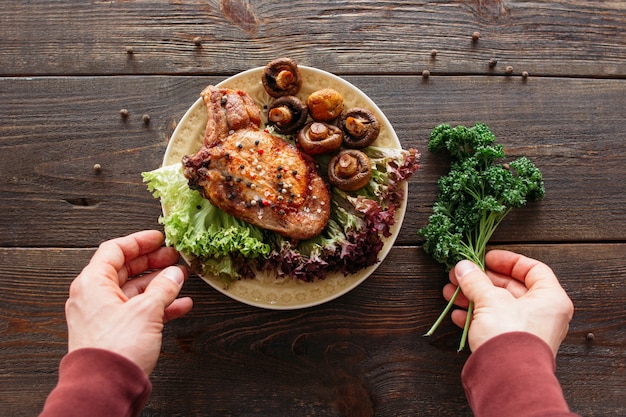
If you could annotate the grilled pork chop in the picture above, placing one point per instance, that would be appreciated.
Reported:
(253, 175)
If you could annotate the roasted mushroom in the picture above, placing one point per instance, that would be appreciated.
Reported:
(325, 104)
(287, 114)
(318, 137)
(349, 170)
(360, 127)
(281, 77)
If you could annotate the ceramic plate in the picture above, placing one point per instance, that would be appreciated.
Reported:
(266, 291)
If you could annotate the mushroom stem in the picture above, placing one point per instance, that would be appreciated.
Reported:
(356, 126)
(280, 114)
(347, 166)
(318, 131)
(285, 79)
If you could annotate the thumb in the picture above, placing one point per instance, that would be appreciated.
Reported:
(472, 280)
(164, 288)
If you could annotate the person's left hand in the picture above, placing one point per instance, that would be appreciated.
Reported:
(122, 298)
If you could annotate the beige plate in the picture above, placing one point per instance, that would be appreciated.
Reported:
(266, 290)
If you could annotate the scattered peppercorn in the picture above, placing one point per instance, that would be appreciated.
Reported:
(475, 36)
(197, 41)
(425, 73)
(97, 168)
(124, 113)
(590, 336)
(493, 62)
(146, 118)
(508, 70)
(433, 53)
(129, 50)
(524, 74)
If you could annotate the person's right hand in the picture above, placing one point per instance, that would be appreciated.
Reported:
(516, 293)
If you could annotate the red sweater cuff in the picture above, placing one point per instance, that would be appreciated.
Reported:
(513, 375)
(97, 382)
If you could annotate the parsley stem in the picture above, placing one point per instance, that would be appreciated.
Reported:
(468, 319)
(443, 313)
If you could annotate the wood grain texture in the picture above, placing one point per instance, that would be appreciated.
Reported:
(226, 358)
(571, 128)
(66, 72)
(555, 38)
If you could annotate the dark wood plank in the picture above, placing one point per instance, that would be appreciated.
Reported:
(231, 359)
(558, 37)
(55, 129)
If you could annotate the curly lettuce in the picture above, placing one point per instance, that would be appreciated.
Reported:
(231, 249)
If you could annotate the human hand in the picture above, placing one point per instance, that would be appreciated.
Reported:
(515, 294)
(121, 299)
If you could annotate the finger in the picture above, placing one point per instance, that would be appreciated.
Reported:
(452, 276)
(514, 286)
(120, 250)
(460, 301)
(164, 288)
(178, 308)
(157, 259)
(472, 280)
(458, 317)
(136, 286)
(531, 272)
(115, 253)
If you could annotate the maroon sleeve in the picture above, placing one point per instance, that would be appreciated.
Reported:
(97, 383)
(513, 375)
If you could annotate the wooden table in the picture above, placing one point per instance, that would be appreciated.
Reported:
(67, 68)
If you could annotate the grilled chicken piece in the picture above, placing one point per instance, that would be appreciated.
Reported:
(253, 175)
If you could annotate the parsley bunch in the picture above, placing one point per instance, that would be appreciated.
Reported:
(474, 197)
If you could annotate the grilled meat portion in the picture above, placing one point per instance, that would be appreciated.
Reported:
(253, 175)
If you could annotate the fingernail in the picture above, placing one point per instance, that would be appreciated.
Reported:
(464, 267)
(175, 274)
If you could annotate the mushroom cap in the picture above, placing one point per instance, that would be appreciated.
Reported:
(360, 127)
(349, 170)
(281, 77)
(287, 114)
(316, 138)
(325, 105)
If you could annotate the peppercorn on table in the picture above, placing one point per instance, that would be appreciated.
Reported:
(91, 93)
